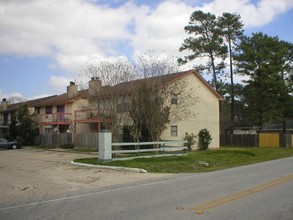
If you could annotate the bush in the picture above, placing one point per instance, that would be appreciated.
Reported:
(67, 146)
(191, 140)
(205, 139)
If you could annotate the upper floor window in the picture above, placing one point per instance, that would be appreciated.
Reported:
(60, 108)
(37, 110)
(123, 104)
(174, 98)
(104, 104)
(49, 109)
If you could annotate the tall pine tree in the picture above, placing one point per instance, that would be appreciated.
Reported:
(206, 42)
(264, 60)
(231, 29)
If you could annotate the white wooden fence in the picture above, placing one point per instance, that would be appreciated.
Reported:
(106, 152)
(163, 146)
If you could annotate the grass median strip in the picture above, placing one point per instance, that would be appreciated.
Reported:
(200, 161)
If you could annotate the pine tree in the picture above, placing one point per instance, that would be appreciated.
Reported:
(267, 62)
(206, 42)
(231, 30)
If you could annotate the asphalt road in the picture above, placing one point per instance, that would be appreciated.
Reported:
(259, 191)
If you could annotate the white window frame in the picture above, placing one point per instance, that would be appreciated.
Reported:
(174, 131)
(174, 98)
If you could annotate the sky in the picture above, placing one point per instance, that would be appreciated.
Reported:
(44, 44)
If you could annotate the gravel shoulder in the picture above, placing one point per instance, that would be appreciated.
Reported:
(31, 174)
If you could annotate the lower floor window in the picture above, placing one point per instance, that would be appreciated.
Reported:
(174, 130)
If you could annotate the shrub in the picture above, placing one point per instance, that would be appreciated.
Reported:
(67, 146)
(205, 139)
(191, 140)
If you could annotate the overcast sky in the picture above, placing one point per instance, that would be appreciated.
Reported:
(45, 43)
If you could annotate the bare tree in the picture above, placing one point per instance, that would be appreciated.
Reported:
(179, 95)
(148, 110)
(14, 99)
(149, 65)
(110, 93)
(160, 100)
(110, 72)
(155, 102)
(139, 94)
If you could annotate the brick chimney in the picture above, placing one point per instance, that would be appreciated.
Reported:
(94, 86)
(72, 90)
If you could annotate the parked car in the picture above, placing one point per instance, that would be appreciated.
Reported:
(4, 143)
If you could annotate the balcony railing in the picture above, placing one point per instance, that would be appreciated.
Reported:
(90, 115)
(56, 118)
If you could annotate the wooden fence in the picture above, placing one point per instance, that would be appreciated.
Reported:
(91, 140)
(242, 140)
(86, 140)
(65, 140)
(54, 140)
(267, 139)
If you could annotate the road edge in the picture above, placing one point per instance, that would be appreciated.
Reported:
(127, 169)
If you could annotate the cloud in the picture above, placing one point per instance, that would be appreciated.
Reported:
(252, 15)
(15, 95)
(75, 31)
(162, 29)
(59, 83)
(63, 29)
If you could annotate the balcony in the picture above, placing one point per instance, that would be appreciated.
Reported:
(56, 119)
(90, 116)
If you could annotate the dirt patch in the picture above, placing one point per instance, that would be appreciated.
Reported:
(29, 174)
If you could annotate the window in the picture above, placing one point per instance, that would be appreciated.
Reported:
(48, 130)
(174, 131)
(37, 110)
(104, 104)
(174, 98)
(5, 119)
(49, 109)
(61, 110)
(123, 104)
(123, 107)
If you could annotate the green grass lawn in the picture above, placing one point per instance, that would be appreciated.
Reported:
(217, 159)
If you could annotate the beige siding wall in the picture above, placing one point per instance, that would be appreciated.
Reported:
(205, 114)
(77, 105)
(84, 128)
(42, 110)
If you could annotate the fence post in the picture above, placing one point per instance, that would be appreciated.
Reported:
(105, 146)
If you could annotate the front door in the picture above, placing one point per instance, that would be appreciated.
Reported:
(60, 112)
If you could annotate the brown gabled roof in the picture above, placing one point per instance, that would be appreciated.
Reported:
(156, 81)
(49, 100)
(35, 101)
(61, 99)
(175, 76)
(30, 103)
(106, 90)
